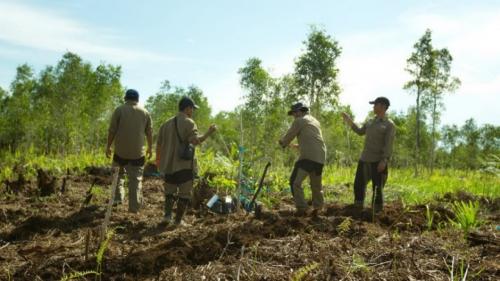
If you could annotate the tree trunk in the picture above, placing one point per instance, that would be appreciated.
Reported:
(417, 141)
(433, 143)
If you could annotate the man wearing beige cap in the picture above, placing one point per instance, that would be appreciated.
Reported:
(311, 159)
(379, 137)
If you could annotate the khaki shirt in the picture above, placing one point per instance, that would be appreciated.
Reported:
(308, 132)
(379, 139)
(169, 144)
(129, 125)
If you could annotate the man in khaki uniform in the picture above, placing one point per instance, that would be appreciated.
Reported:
(178, 173)
(311, 160)
(376, 153)
(129, 125)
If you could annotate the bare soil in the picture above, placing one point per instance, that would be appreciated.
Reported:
(46, 238)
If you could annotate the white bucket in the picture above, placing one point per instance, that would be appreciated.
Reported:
(212, 201)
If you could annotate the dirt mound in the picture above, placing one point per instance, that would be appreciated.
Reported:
(50, 237)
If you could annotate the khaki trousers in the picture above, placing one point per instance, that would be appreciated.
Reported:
(316, 188)
(134, 174)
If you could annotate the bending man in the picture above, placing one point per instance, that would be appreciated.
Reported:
(311, 159)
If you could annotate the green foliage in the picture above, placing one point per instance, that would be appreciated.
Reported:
(316, 71)
(102, 248)
(165, 104)
(359, 264)
(99, 258)
(466, 216)
(63, 110)
(98, 192)
(303, 271)
(344, 226)
(491, 165)
(30, 160)
(222, 182)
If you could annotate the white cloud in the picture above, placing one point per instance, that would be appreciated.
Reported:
(473, 32)
(373, 63)
(48, 30)
(224, 94)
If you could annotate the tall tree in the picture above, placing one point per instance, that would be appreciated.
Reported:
(420, 66)
(18, 107)
(440, 82)
(450, 138)
(165, 104)
(316, 71)
(65, 109)
(256, 83)
(470, 136)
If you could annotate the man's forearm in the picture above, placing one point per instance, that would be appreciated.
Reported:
(204, 137)
(357, 129)
(110, 140)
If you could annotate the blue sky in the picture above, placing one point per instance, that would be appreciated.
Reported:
(203, 43)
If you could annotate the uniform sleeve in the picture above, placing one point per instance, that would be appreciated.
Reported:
(115, 121)
(192, 131)
(292, 132)
(360, 131)
(389, 141)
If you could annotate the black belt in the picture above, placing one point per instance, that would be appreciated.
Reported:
(124, 162)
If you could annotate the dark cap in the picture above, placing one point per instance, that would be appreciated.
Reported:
(186, 102)
(382, 100)
(298, 107)
(131, 94)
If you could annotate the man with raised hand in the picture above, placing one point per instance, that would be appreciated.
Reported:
(175, 164)
(312, 157)
(373, 163)
(129, 125)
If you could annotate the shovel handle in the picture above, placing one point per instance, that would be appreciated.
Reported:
(261, 182)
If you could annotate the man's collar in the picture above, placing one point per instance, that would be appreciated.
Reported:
(182, 114)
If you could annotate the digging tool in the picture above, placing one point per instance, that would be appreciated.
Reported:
(252, 206)
(375, 187)
(114, 186)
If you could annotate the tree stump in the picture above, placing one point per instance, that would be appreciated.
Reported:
(46, 182)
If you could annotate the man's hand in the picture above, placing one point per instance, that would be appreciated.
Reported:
(149, 153)
(347, 119)
(281, 143)
(294, 145)
(381, 166)
(108, 152)
(212, 128)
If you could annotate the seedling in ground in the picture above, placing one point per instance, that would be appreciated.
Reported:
(466, 216)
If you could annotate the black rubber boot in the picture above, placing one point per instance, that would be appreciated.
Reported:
(169, 204)
(182, 205)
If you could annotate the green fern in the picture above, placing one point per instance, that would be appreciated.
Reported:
(102, 249)
(303, 271)
(78, 274)
(344, 227)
